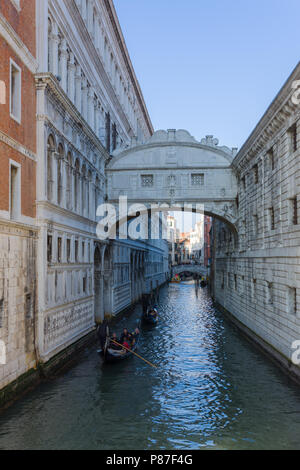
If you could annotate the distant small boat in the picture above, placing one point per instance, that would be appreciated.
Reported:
(150, 319)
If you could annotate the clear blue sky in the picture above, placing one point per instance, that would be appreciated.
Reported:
(211, 66)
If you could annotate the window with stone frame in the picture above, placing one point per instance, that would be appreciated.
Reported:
(49, 248)
(255, 224)
(253, 288)
(271, 159)
(293, 211)
(271, 218)
(15, 91)
(68, 250)
(59, 249)
(292, 300)
(270, 293)
(293, 137)
(255, 174)
(147, 181)
(198, 179)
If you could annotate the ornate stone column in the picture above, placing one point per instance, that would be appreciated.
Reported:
(63, 58)
(55, 163)
(90, 17)
(84, 107)
(78, 80)
(90, 110)
(53, 49)
(71, 77)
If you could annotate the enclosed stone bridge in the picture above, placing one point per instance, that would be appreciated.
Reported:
(189, 268)
(175, 170)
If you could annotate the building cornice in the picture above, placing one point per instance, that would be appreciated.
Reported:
(280, 110)
(15, 42)
(123, 48)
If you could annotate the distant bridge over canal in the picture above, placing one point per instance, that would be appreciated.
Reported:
(189, 268)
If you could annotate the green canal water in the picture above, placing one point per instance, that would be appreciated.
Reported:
(211, 390)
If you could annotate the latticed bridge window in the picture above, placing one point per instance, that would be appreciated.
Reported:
(147, 181)
(198, 179)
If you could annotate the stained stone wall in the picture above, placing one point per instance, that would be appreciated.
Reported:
(257, 275)
(17, 299)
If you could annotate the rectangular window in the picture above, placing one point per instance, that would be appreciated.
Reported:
(114, 137)
(83, 251)
(59, 249)
(147, 181)
(198, 179)
(235, 282)
(271, 216)
(255, 174)
(15, 190)
(269, 293)
(15, 91)
(68, 250)
(84, 284)
(255, 224)
(292, 300)
(49, 248)
(244, 183)
(253, 288)
(293, 211)
(271, 159)
(76, 250)
(293, 138)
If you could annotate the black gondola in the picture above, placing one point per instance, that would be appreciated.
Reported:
(150, 319)
(114, 355)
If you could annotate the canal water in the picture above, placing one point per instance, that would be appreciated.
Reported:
(211, 390)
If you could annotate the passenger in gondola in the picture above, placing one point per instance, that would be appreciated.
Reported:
(113, 345)
(126, 344)
(124, 336)
(153, 313)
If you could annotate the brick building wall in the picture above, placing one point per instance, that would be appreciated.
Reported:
(18, 238)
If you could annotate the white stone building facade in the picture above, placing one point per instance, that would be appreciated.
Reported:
(257, 270)
(89, 104)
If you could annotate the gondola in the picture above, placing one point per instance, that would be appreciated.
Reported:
(113, 355)
(150, 319)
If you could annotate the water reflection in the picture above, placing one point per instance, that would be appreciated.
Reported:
(212, 389)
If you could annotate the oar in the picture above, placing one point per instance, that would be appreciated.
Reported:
(129, 350)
